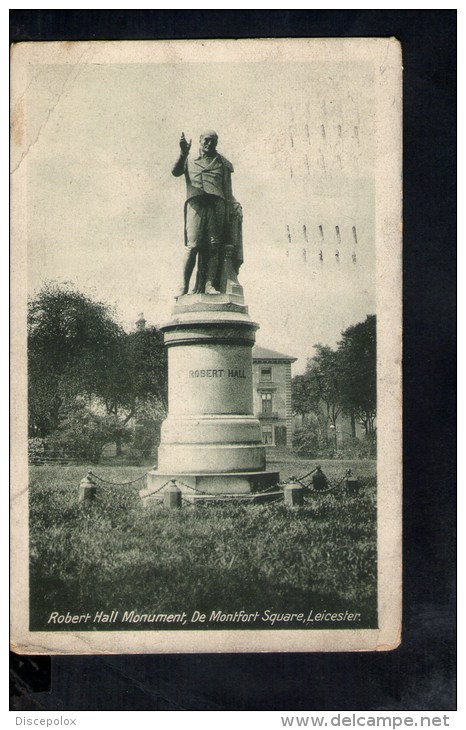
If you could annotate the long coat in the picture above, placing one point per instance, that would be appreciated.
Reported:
(233, 217)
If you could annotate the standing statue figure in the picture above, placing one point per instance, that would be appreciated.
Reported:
(212, 218)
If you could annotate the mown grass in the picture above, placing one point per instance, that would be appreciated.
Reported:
(113, 554)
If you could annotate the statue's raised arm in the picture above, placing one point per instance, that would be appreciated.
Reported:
(185, 146)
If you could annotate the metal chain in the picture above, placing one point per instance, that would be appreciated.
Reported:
(188, 486)
(118, 484)
(333, 486)
(323, 491)
(306, 475)
(295, 479)
(299, 479)
(226, 498)
(273, 488)
(178, 481)
(160, 488)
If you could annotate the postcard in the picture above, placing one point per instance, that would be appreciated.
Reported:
(206, 350)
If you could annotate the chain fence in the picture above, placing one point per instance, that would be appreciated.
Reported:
(120, 484)
(314, 483)
(320, 485)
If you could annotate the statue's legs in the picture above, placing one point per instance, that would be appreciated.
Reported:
(205, 223)
(194, 225)
(212, 267)
(189, 260)
(201, 274)
(215, 224)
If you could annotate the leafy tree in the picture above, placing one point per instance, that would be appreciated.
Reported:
(324, 377)
(71, 341)
(302, 396)
(138, 376)
(88, 378)
(335, 381)
(78, 354)
(137, 382)
(317, 395)
(357, 353)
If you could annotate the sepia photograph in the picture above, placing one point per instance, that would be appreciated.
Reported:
(207, 346)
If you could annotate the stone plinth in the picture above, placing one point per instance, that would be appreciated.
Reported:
(198, 485)
(211, 441)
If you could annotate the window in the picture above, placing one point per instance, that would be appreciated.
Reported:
(266, 400)
(267, 435)
(266, 374)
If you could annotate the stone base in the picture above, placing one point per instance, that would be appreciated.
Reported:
(232, 301)
(210, 446)
(202, 487)
(211, 458)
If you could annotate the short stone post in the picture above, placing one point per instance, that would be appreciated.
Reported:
(351, 483)
(294, 495)
(172, 496)
(87, 488)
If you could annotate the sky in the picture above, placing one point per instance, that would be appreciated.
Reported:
(105, 213)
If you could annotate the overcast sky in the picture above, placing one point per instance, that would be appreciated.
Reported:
(104, 212)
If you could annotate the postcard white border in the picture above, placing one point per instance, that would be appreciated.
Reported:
(385, 55)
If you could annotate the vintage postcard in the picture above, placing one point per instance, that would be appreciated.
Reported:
(206, 349)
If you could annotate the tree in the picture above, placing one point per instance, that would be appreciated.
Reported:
(324, 377)
(357, 352)
(84, 368)
(335, 381)
(137, 381)
(302, 396)
(145, 372)
(71, 341)
(317, 393)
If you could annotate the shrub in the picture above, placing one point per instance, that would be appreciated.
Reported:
(146, 436)
(37, 448)
(306, 441)
(84, 434)
(133, 456)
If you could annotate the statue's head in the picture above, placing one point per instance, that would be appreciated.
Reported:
(208, 142)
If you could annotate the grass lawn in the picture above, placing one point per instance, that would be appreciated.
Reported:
(115, 555)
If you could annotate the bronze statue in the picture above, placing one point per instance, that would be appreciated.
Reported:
(212, 218)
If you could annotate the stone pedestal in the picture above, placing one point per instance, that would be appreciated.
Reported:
(293, 495)
(210, 441)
